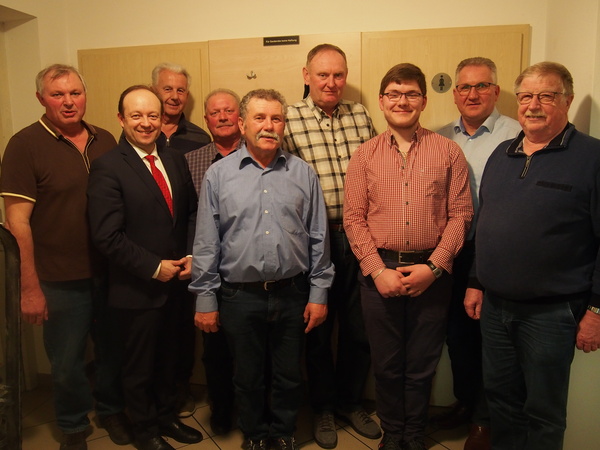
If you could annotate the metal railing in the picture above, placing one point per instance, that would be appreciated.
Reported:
(10, 386)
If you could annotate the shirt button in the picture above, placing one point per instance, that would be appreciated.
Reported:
(407, 223)
(267, 232)
(266, 211)
(265, 191)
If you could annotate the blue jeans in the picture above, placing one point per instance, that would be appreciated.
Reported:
(258, 323)
(76, 309)
(528, 348)
(339, 385)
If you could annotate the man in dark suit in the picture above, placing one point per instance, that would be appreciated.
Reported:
(142, 207)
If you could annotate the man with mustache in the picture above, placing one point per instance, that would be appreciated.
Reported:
(324, 130)
(222, 111)
(261, 267)
(44, 179)
(478, 131)
(537, 252)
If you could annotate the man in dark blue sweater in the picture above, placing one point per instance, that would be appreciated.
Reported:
(537, 242)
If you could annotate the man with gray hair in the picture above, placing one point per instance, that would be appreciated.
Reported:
(478, 131)
(172, 82)
(537, 253)
(261, 243)
(63, 281)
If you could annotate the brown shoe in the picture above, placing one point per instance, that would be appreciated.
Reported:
(478, 439)
(456, 416)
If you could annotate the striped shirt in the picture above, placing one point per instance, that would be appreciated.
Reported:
(327, 143)
(417, 203)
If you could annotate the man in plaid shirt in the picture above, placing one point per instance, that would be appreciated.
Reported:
(324, 130)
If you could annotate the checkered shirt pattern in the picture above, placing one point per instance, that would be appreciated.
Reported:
(419, 203)
(200, 160)
(327, 143)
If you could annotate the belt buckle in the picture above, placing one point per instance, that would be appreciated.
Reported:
(266, 285)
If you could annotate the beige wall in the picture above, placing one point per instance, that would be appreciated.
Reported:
(562, 30)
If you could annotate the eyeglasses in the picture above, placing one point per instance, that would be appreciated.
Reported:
(545, 98)
(396, 96)
(480, 88)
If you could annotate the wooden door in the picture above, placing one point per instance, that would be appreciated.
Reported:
(108, 72)
(245, 64)
(439, 51)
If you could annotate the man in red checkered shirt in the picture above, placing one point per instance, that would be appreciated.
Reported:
(407, 209)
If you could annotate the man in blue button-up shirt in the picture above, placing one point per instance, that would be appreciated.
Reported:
(261, 266)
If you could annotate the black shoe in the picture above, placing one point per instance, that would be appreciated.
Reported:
(415, 444)
(153, 443)
(220, 423)
(180, 432)
(256, 444)
(390, 442)
(118, 427)
(75, 441)
(457, 415)
(285, 443)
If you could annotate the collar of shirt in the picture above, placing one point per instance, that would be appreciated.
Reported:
(50, 128)
(416, 138)
(488, 125)
(320, 115)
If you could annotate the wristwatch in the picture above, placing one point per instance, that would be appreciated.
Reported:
(436, 270)
(594, 309)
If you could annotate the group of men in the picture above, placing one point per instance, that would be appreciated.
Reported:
(261, 218)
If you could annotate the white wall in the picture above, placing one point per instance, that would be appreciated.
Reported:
(562, 30)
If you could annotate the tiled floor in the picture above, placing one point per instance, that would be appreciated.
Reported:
(40, 431)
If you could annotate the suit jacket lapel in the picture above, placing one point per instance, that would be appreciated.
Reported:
(139, 167)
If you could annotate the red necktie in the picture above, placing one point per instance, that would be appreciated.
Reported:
(160, 180)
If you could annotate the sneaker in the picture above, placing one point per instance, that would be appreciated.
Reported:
(285, 443)
(256, 444)
(75, 441)
(361, 422)
(390, 442)
(324, 430)
(118, 427)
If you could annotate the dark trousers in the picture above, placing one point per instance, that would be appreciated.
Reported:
(150, 343)
(187, 335)
(406, 336)
(260, 323)
(340, 384)
(218, 366)
(528, 348)
(464, 342)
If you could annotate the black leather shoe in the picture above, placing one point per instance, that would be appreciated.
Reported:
(118, 428)
(220, 423)
(154, 443)
(457, 415)
(180, 432)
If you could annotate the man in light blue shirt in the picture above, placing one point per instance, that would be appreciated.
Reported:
(261, 266)
(478, 131)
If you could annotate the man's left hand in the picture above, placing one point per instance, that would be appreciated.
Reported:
(186, 268)
(588, 332)
(314, 314)
(417, 278)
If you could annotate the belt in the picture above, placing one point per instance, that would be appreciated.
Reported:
(336, 226)
(267, 286)
(410, 257)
